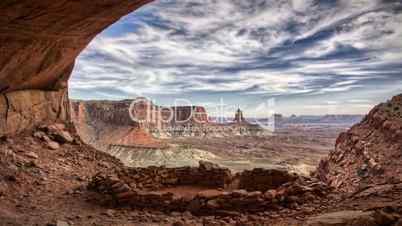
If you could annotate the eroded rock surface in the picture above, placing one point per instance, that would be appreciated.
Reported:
(29, 108)
(40, 39)
(39, 42)
(369, 153)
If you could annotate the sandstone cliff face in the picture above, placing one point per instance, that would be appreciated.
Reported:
(188, 114)
(113, 112)
(129, 123)
(136, 113)
(105, 123)
(39, 41)
(113, 122)
(370, 152)
(27, 108)
(151, 116)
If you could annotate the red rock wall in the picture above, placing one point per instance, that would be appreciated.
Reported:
(369, 153)
(113, 112)
(107, 123)
(39, 41)
(25, 109)
(146, 114)
(110, 122)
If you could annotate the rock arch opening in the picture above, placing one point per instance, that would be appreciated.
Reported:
(39, 48)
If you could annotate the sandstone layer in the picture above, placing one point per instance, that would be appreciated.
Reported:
(27, 108)
(140, 123)
(130, 123)
(40, 39)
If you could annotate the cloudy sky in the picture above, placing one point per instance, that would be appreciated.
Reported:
(309, 56)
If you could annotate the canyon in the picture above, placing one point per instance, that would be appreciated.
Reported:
(143, 134)
(49, 175)
(159, 122)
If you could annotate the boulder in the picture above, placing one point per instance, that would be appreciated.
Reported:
(57, 133)
(210, 194)
(208, 166)
(62, 223)
(343, 218)
(52, 145)
(270, 194)
(63, 137)
(32, 155)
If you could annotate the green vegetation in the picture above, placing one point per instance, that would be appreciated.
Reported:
(362, 171)
(393, 109)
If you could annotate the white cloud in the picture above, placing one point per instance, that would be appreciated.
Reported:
(259, 47)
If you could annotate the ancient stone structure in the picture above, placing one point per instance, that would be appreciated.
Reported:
(218, 189)
(263, 180)
(39, 41)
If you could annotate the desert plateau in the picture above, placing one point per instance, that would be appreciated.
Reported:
(200, 113)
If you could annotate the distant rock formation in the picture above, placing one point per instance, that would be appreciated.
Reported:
(138, 113)
(239, 118)
(369, 153)
(139, 123)
(151, 116)
(321, 119)
(104, 123)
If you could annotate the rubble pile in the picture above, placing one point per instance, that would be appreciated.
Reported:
(54, 135)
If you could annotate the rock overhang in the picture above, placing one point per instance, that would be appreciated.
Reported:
(39, 42)
(40, 39)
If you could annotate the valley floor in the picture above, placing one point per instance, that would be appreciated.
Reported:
(296, 147)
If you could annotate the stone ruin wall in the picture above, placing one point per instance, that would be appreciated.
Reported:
(221, 190)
